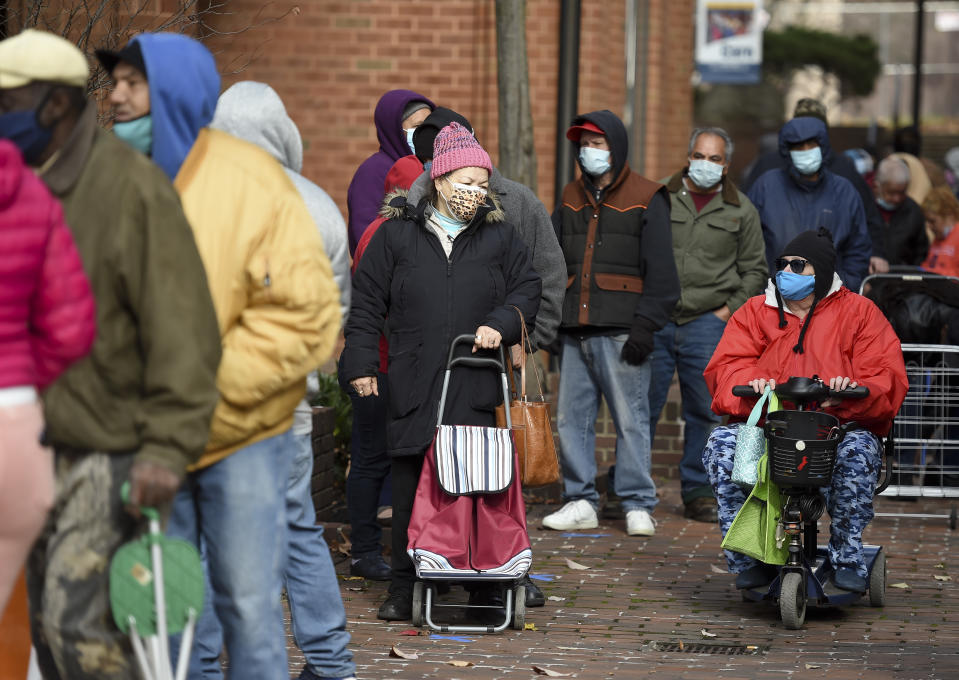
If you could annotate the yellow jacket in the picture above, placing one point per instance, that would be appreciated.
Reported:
(271, 282)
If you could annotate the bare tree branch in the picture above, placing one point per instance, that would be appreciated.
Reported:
(109, 24)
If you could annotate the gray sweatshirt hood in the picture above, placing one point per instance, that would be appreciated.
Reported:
(254, 112)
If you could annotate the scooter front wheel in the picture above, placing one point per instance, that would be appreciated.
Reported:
(792, 600)
(877, 581)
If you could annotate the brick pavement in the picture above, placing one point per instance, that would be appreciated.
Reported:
(639, 594)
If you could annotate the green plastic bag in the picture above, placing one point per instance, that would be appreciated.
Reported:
(754, 530)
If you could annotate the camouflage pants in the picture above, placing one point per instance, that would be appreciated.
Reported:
(68, 572)
(848, 498)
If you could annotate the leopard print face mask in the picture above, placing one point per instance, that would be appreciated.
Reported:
(465, 200)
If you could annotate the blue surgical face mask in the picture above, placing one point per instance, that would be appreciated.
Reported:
(705, 174)
(594, 161)
(409, 138)
(886, 205)
(794, 286)
(807, 162)
(138, 133)
(24, 130)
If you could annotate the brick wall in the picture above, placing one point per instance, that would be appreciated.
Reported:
(331, 61)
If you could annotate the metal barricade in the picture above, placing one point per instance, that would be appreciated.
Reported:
(924, 460)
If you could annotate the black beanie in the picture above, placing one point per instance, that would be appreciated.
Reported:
(817, 247)
(426, 132)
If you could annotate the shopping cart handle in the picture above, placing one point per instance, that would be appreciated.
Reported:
(745, 391)
(477, 362)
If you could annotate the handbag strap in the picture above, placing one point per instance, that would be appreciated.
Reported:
(757, 411)
(526, 347)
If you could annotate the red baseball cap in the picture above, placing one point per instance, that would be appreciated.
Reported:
(575, 131)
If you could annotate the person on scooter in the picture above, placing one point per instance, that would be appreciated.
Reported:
(809, 324)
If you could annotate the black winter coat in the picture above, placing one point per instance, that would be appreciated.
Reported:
(406, 284)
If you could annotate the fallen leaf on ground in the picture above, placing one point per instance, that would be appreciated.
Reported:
(411, 631)
(681, 646)
(716, 570)
(939, 577)
(553, 598)
(549, 672)
(940, 566)
(529, 626)
(460, 664)
(752, 647)
(902, 586)
(400, 654)
(706, 634)
(574, 565)
(356, 590)
(812, 665)
(352, 578)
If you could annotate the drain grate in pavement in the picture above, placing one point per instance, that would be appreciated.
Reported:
(709, 648)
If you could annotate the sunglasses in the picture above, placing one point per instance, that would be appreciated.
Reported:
(797, 266)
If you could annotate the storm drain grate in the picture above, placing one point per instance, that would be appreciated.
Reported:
(707, 648)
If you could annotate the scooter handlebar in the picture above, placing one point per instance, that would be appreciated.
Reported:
(859, 392)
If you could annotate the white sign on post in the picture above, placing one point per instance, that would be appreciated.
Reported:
(729, 41)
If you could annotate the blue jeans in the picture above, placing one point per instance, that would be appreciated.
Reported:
(591, 367)
(235, 511)
(687, 349)
(312, 590)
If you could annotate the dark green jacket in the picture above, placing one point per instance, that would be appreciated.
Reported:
(720, 253)
(149, 384)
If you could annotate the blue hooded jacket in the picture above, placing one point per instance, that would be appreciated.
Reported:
(184, 87)
(789, 205)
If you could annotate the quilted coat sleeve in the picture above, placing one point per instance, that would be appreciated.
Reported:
(523, 290)
(371, 300)
(878, 364)
(63, 311)
(292, 318)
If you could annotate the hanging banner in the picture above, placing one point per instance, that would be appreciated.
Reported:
(729, 41)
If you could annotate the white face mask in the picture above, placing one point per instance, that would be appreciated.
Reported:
(409, 139)
(595, 161)
(705, 174)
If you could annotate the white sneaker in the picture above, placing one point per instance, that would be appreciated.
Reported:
(640, 523)
(574, 515)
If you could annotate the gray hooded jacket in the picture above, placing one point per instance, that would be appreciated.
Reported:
(532, 221)
(254, 112)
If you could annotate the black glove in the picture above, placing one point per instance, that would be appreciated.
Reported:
(639, 344)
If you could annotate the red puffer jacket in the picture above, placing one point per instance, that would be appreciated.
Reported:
(47, 311)
(848, 336)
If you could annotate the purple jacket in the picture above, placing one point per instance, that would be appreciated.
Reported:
(366, 190)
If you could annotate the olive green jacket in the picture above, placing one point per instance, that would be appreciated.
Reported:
(149, 384)
(719, 251)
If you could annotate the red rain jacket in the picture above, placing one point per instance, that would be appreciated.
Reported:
(849, 336)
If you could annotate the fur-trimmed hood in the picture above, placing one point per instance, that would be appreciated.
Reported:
(395, 206)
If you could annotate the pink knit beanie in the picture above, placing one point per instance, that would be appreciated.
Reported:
(455, 148)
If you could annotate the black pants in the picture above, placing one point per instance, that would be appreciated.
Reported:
(406, 475)
(369, 466)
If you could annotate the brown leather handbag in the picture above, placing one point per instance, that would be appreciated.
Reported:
(532, 429)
